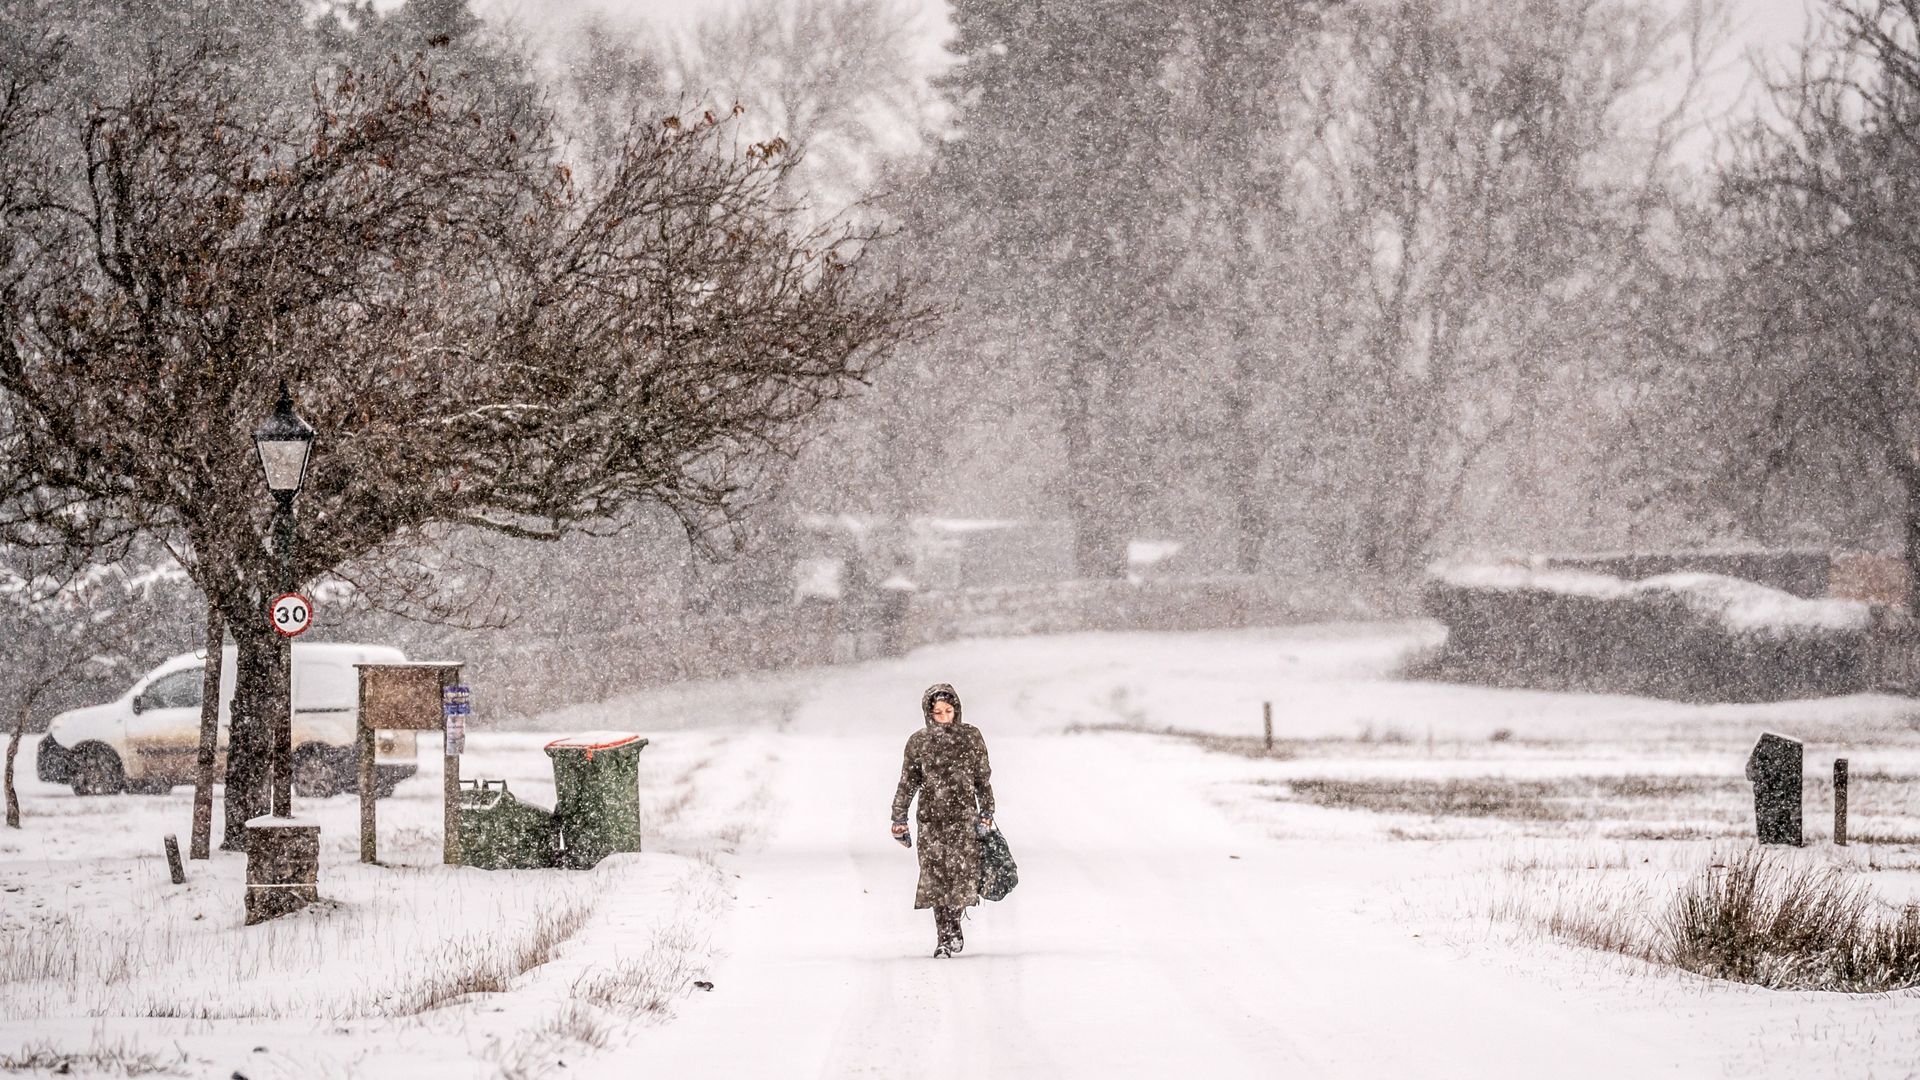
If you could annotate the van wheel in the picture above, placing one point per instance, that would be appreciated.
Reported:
(318, 772)
(97, 771)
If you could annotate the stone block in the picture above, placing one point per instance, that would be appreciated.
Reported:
(283, 867)
(1774, 769)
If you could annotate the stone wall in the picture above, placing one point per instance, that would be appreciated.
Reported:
(522, 677)
(1686, 637)
(1803, 572)
(1158, 604)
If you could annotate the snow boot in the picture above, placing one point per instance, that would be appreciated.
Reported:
(946, 922)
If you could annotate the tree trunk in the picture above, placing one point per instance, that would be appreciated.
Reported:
(13, 749)
(1250, 528)
(1248, 451)
(1912, 552)
(1099, 551)
(250, 731)
(1376, 542)
(209, 736)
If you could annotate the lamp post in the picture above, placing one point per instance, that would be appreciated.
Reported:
(284, 441)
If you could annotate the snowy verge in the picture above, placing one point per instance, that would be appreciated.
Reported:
(408, 969)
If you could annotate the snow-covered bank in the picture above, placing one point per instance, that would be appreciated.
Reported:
(99, 952)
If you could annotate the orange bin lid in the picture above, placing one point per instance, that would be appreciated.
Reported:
(594, 740)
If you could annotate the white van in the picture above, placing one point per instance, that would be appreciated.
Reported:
(149, 739)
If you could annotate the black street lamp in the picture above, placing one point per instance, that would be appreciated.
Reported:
(284, 441)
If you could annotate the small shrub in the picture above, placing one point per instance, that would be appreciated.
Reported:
(1753, 920)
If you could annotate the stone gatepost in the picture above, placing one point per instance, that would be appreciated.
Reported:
(283, 867)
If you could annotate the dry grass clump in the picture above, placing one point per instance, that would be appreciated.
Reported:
(1601, 913)
(1248, 746)
(117, 1059)
(580, 1025)
(543, 1051)
(648, 986)
(1754, 917)
(478, 968)
(1754, 920)
(1650, 803)
(1485, 797)
(1891, 839)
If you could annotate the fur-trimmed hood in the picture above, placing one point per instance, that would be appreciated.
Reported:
(926, 703)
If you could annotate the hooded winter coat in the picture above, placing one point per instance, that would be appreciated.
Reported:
(946, 764)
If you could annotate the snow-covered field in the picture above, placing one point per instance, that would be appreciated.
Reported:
(1369, 899)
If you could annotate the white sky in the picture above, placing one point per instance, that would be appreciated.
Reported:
(1768, 28)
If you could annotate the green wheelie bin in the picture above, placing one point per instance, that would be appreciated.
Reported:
(596, 782)
(499, 832)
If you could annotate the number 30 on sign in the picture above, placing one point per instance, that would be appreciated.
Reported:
(291, 614)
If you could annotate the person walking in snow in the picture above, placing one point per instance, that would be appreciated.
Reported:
(946, 764)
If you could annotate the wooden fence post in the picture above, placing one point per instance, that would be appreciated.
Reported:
(1840, 802)
(173, 860)
(1266, 712)
(200, 838)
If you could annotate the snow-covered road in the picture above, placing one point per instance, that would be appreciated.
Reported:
(1151, 936)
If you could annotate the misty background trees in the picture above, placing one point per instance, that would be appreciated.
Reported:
(1821, 362)
(1317, 291)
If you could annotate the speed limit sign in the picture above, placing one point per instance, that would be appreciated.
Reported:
(291, 614)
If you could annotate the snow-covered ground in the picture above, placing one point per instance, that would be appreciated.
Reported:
(1367, 900)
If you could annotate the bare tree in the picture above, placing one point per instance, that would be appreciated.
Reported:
(839, 79)
(1051, 202)
(611, 74)
(1821, 360)
(481, 340)
(1490, 191)
(1250, 255)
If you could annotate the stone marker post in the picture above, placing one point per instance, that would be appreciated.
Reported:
(1774, 770)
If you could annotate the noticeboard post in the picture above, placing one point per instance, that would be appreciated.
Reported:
(410, 697)
(456, 703)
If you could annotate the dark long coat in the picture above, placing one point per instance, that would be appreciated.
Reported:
(946, 764)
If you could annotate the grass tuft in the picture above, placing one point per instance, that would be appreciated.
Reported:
(1754, 920)
(118, 1059)
(485, 970)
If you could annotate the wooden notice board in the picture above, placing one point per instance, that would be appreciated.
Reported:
(405, 697)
